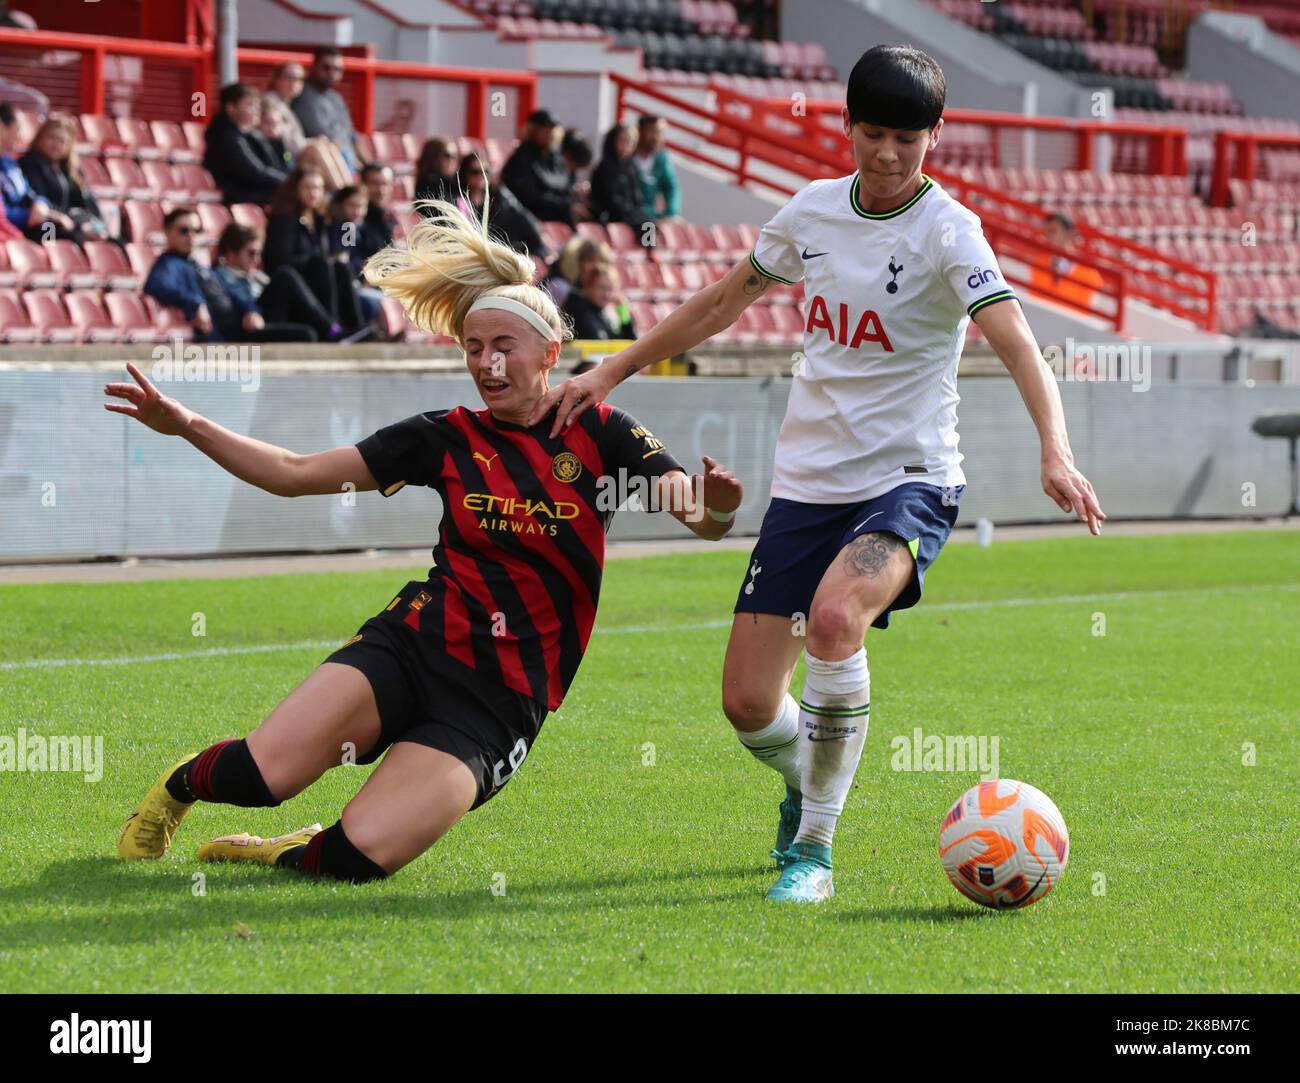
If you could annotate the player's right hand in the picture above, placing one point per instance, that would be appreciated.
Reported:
(576, 395)
(148, 405)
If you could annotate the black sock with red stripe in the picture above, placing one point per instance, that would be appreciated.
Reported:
(225, 774)
(331, 853)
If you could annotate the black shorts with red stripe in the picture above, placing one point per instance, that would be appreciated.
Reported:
(427, 697)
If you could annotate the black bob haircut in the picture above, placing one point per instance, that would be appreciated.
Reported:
(896, 86)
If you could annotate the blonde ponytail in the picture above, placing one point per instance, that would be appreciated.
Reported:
(449, 261)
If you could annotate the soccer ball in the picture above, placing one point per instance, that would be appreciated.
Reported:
(1004, 844)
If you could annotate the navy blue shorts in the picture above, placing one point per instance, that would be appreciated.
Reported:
(798, 542)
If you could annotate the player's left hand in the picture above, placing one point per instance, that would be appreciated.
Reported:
(722, 489)
(1072, 492)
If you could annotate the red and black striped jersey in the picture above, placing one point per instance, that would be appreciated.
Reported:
(521, 545)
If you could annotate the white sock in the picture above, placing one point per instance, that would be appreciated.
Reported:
(777, 744)
(832, 731)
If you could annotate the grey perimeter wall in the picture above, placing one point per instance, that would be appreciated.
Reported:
(76, 481)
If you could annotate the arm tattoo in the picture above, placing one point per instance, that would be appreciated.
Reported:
(869, 554)
(632, 370)
(756, 284)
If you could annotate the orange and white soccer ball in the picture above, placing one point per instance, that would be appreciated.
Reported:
(1004, 844)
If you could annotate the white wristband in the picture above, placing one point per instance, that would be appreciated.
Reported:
(721, 516)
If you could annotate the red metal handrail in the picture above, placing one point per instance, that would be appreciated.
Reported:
(1138, 271)
(1236, 158)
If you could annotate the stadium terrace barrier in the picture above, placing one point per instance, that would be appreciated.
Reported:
(997, 139)
(80, 482)
(735, 146)
(159, 80)
(1236, 157)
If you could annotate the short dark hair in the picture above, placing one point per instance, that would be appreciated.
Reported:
(8, 114)
(576, 146)
(235, 236)
(237, 92)
(176, 213)
(372, 167)
(1063, 220)
(896, 86)
(322, 51)
(648, 120)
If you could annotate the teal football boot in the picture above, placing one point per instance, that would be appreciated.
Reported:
(788, 826)
(805, 875)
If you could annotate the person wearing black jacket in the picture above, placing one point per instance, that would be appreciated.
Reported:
(297, 236)
(435, 173)
(539, 176)
(615, 184)
(54, 175)
(595, 307)
(512, 223)
(238, 156)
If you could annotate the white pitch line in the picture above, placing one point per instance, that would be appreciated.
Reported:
(635, 629)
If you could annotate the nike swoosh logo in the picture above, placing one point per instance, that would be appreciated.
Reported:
(841, 737)
(814, 255)
(868, 519)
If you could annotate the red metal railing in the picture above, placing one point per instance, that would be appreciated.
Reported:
(735, 146)
(1146, 148)
(158, 80)
(1236, 157)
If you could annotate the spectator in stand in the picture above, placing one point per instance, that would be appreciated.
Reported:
(25, 211)
(321, 109)
(510, 221)
(238, 156)
(177, 281)
(616, 183)
(282, 299)
(381, 223)
(435, 171)
(661, 196)
(351, 240)
(54, 174)
(272, 129)
(318, 153)
(1061, 279)
(574, 258)
(577, 155)
(596, 307)
(297, 236)
(538, 176)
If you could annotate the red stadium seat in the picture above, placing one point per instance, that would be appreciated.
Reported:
(15, 324)
(8, 276)
(101, 133)
(98, 179)
(129, 179)
(214, 218)
(162, 180)
(168, 321)
(196, 183)
(110, 264)
(71, 265)
(31, 263)
(556, 234)
(144, 222)
(130, 317)
(592, 231)
(137, 137)
(92, 321)
(194, 132)
(169, 137)
(45, 307)
(248, 214)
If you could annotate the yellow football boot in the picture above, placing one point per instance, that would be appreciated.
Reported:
(246, 847)
(151, 827)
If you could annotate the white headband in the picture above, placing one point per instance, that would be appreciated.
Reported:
(523, 311)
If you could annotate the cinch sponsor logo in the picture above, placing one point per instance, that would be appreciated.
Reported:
(980, 277)
(77, 1035)
(868, 327)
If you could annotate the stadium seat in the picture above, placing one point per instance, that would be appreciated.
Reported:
(214, 217)
(168, 321)
(93, 323)
(15, 323)
(70, 264)
(137, 137)
(8, 276)
(110, 265)
(130, 317)
(169, 137)
(248, 214)
(45, 307)
(99, 132)
(31, 263)
(144, 222)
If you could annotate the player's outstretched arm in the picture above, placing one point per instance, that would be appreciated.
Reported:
(1008, 332)
(274, 469)
(690, 499)
(711, 310)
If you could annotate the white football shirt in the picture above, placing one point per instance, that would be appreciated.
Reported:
(887, 298)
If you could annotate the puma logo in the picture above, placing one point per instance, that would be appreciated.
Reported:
(485, 460)
(754, 569)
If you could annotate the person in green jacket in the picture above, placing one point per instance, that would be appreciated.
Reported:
(661, 196)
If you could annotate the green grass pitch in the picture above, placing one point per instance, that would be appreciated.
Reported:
(626, 870)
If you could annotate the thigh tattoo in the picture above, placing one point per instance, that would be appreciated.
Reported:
(869, 554)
